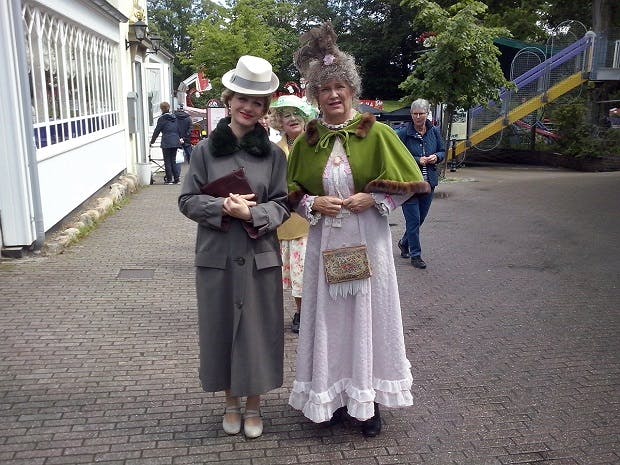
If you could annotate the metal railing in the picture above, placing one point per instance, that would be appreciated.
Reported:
(536, 82)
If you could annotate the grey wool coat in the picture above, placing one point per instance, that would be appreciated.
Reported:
(238, 267)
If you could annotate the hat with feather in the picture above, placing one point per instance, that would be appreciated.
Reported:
(319, 60)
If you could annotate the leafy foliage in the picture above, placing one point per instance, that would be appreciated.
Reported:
(462, 69)
(379, 33)
(171, 19)
(578, 137)
(524, 23)
(244, 29)
(383, 43)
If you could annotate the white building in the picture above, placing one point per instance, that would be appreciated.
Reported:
(79, 93)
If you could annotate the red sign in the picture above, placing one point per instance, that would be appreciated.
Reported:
(378, 104)
(203, 84)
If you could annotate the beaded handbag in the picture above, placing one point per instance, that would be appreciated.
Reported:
(346, 264)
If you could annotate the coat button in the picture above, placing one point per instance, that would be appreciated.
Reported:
(240, 260)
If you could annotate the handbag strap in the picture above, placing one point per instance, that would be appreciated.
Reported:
(359, 228)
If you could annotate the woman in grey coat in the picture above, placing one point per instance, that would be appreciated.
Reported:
(238, 261)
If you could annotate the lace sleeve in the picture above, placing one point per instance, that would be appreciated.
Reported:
(305, 209)
(384, 203)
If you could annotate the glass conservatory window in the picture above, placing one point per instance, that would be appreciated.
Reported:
(73, 77)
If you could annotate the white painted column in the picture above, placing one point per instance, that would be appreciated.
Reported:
(20, 206)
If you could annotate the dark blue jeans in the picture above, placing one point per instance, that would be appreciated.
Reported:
(415, 211)
(173, 170)
(187, 150)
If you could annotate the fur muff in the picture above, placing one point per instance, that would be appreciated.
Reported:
(294, 198)
(223, 141)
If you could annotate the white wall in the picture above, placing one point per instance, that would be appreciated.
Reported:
(70, 178)
(72, 171)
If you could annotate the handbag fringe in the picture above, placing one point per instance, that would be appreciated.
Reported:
(349, 288)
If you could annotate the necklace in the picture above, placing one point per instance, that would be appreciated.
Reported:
(335, 127)
(289, 141)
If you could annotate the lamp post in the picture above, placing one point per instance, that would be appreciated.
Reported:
(139, 32)
(155, 42)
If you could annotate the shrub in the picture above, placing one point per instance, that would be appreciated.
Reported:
(579, 138)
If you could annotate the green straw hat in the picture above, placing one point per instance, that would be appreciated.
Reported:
(295, 102)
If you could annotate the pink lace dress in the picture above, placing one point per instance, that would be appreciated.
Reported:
(351, 349)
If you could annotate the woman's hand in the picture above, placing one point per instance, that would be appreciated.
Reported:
(327, 205)
(359, 202)
(238, 206)
(430, 160)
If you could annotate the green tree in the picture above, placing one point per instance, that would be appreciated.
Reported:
(561, 10)
(461, 69)
(171, 19)
(249, 27)
(384, 45)
(378, 33)
(525, 19)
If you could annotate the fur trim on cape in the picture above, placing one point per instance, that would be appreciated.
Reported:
(222, 141)
(395, 187)
(312, 130)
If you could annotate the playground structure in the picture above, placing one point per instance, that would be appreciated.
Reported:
(542, 76)
(539, 128)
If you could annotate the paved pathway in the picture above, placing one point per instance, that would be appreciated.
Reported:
(512, 331)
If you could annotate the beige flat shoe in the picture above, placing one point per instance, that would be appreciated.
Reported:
(232, 425)
(254, 430)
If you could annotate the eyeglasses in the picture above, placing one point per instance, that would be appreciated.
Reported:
(291, 114)
(418, 114)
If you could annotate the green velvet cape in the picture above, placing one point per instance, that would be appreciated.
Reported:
(379, 161)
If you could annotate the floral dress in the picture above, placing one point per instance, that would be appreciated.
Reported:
(293, 235)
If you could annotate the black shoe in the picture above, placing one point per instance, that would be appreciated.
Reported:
(295, 324)
(176, 181)
(372, 426)
(417, 262)
(404, 252)
(338, 416)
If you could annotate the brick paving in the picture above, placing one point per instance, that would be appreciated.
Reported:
(512, 331)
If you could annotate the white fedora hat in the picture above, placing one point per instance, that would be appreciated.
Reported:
(252, 76)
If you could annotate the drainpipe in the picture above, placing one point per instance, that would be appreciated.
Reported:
(26, 123)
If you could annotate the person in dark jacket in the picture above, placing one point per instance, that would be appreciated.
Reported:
(170, 142)
(184, 123)
(426, 144)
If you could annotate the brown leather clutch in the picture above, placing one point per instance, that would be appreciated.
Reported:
(233, 183)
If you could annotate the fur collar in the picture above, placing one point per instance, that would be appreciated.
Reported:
(223, 142)
(363, 127)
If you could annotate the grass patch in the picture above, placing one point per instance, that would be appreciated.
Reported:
(391, 105)
(7, 266)
(86, 230)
